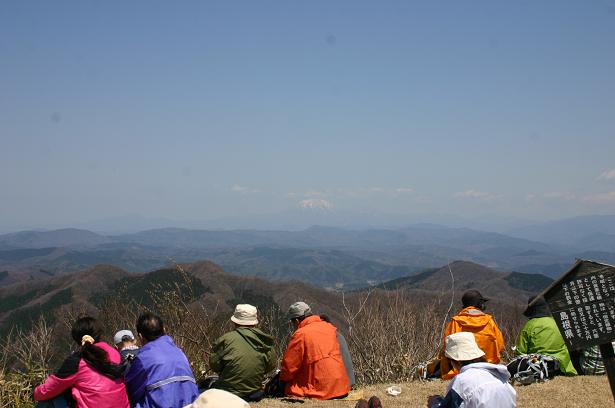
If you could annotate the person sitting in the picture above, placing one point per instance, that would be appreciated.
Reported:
(215, 398)
(160, 375)
(540, 335)
(345, 353)
(591, 361)
(91, 375)
(126, 344)
(312, 365)
(472, 318)
(243, 356)
(478, 384)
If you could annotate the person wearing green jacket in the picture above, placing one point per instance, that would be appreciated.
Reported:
(243, 356)
(540, 335)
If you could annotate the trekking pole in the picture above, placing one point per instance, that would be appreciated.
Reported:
(608, 356)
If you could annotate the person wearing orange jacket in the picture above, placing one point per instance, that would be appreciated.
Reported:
(312, 365)
(472, 318)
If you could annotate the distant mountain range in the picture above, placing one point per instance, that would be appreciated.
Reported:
(323, 256)
(295, 219)
(215, 289)
(589, 233)
(507, 287)
(67, 237)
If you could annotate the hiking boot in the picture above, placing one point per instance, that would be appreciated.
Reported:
(361, 404)
(374, 402)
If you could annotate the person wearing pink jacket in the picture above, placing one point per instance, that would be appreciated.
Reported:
(92, 375)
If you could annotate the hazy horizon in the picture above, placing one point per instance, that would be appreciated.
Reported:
(302, 220)
(211, 111)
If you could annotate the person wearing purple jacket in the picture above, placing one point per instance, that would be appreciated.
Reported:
(160, 375)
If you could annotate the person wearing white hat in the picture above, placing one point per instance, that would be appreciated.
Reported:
(218, 399)
(126, 344)
(244, 356)
(478, 384)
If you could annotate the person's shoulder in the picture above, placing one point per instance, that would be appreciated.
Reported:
(469, 311)
(227, 337)
(301, 331)
(69, 366)
(317, 328)
(152, 348)
(164, 341)
(545, 321)
(257, 330)
(111, 351)
(129, 352)
(327, 326)
(537, 322)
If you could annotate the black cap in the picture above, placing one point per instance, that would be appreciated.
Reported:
(540, 308)
(473, 297)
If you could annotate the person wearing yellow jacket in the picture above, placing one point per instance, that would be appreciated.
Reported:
(472, 318)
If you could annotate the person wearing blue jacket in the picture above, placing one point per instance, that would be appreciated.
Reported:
(160, 375)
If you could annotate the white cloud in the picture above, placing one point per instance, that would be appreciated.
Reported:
(358, 193)
(315, 203)
(608, 175)
(306, 194)
(530, 197)
(559, 195)
(243, 190)
(477, 195)
(314, 193)
(608, 197)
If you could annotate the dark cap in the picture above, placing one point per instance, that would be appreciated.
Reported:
(539, 307)
(473, 297)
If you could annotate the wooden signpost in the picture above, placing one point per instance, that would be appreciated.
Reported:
(582, 302)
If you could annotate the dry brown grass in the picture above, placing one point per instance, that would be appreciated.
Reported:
(561, 392)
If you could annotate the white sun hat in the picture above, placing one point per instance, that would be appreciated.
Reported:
(214, 398)
(245, 315)
(122, 335)
(462, 347)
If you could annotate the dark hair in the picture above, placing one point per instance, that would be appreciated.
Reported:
(481, 359)
(299, 319)
(92, 354)
(150, 326)
(540, 308)
(86, 326)
(325, 318)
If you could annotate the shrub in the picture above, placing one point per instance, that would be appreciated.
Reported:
(389, 332)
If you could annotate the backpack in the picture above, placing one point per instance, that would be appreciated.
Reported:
(275, 388)
(429, 370)
(530, 368)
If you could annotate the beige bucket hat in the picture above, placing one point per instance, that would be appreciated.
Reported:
(462, 347)
(215, 398)
(299, 309)
(245, 315)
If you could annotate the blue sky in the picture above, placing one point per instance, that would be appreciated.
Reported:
(200, 110)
